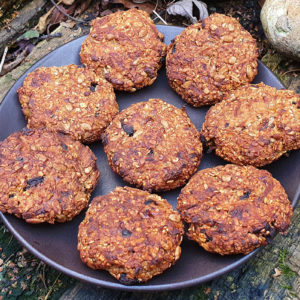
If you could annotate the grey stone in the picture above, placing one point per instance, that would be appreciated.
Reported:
(281, 23)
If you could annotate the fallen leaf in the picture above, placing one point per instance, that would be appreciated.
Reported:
(29, 34)
(277, 273)
(147, 6)
(104, 4)
(191, 9)
(105, 13)
(68, 23)
(44, 21)
(57, 16)
(68, 2)
(82, 8)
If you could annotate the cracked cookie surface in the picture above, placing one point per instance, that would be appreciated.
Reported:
(68, 99)
(125, 48)
(132, 234)
(45, 176)
(153, 145)
(233, 209)
(210, 58)
(254, 125)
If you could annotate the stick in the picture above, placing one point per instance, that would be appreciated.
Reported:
(3, 58)
(160, 17)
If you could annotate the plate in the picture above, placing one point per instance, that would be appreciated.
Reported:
(56, 244)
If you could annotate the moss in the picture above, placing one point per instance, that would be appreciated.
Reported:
(22, 276)
(286, 271)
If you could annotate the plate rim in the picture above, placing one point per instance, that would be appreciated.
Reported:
(116, 285)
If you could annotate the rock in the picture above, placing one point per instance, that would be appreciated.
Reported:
(281, 23)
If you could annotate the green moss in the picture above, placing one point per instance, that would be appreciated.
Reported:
(284, 268)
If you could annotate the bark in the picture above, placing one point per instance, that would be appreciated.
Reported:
(24, 19)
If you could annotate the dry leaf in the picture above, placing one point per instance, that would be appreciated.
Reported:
(82, 8)
(105, 13)
(148, 6)
(104, 4)
(57, 16)
(68, 24)
(277, 273)
(44, 21)
(191, 9)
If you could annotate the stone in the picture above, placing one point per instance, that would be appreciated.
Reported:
(281, 23)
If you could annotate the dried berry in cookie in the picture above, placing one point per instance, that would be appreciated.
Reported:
(68, 99)
(153, 145)
(233, 209)
(126, 48)
(132, 234)
(210, 58)
(45, 176)
(254, 125)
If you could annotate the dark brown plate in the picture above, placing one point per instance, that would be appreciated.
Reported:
(57, 244)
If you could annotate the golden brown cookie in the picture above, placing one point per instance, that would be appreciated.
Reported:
(126, 48)
(233, 209)
(68, 99)
(132, 234)
(210, 58)
(254, 125)
(153, 145)
(45, 176)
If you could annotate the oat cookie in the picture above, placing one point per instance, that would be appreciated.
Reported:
(125, 48)
(254, 125)
(68, 99)
(233, 209)
(45, 176)
(153, 145)
(132, 234)
(210, 58)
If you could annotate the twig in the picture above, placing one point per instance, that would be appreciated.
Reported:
(3, 58)
(158, 16)
(9, 66)
(51, 288)
(49, 36)
(295, 70)
(156, 5)
(67, 15)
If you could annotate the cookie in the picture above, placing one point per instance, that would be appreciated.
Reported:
(233, 209)
(254, 125)
(210, 58)
(132, 234)
(68, 99)
(153, 145)
(45, 176)
(126, 48)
